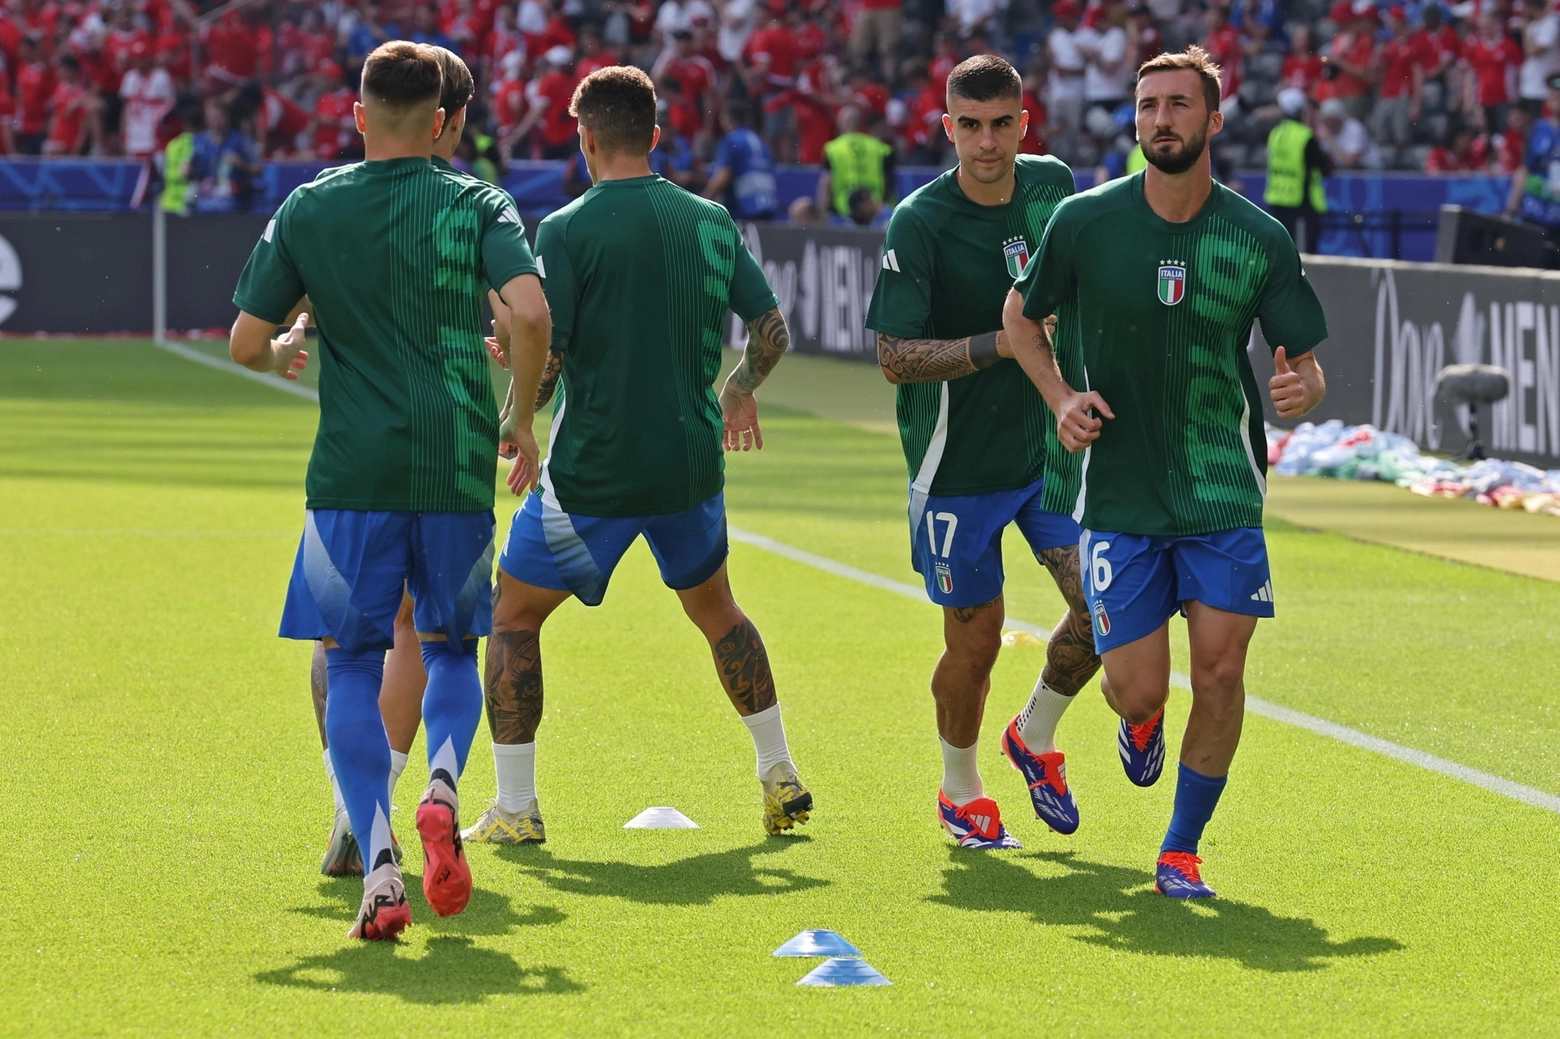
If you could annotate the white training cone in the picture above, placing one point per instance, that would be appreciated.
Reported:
(662, 818)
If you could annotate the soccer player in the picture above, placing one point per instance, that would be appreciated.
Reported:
(639, 274)
(400, 698)
(974, 432)
(391, 252)
(1166, 270)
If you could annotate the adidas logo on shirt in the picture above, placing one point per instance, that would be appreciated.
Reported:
(891, 262)
(1265, 593)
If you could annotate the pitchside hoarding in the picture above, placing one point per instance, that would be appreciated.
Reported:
(1394, 325)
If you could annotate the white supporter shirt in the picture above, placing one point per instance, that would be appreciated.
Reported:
(679, 15)
(148, 97)
(1067, 63)
(1537, 68)
(1107, 48)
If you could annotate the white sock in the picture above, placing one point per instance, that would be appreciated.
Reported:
(1037, 722)
(335, 787)
(961, 778)
(515, 764)
(397, 766)
(768, 733)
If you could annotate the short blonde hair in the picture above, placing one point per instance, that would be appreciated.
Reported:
(1192, 59)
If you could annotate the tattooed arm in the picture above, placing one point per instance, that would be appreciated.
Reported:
(938, 360)
(768, 340)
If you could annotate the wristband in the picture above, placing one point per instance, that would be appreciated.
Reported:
(983, 350)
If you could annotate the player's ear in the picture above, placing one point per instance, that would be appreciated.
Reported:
(1215, 122)
(438, 122)
(1023, 123)
(655, 138)
(359, 117)
(947, 122)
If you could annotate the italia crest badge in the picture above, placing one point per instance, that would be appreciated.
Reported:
(1101, 620)
(1016, 252)
(944, 578)
(1172, 282)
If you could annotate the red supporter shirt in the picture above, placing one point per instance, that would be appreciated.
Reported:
(557, 90)
(811, 41)
(1491, 61)
(508, 103)
(1510, 153)
(174, 48)
(1224, 45)
(116, 55)
(695, 76)
(1444, 160)
(881, 5)
(1398, 59)
(925, 117)
(686, 119)
(779, 45)
(814, 115)
(941, 69)
(596, 62)
(871, 97)
(1302, 73)
(11, 35)
(68, 103)
(332, 118)
(1031, 144)
(231, 46)
(1356, 49)
(281, 121)
(34, 85)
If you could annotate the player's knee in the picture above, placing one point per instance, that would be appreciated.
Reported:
(976, 649)
(1222, 680)
(1138, 703)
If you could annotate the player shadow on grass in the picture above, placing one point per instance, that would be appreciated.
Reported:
(695, 880)
(488, 912)
(1123, 912)
(451, 970)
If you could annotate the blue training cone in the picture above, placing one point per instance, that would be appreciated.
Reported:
(839, 971)
(817, 943)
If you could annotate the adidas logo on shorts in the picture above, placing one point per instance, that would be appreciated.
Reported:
(1265, 593)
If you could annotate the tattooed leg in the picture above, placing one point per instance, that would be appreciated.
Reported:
(512, 689)
(1070, 657)
(319, 689)
(743, 665)
(972, 637)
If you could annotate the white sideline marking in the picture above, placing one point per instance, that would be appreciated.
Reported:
(221, 365)
(1320, 726)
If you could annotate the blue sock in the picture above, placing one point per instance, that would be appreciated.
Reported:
(359, 748)
(1196, 796)
(452, 705)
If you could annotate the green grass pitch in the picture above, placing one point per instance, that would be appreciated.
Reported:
(165, 806)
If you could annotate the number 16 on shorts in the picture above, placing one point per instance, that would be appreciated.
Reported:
(940, 565)
(1100, 575)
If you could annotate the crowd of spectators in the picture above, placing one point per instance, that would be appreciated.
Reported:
(1413, 85)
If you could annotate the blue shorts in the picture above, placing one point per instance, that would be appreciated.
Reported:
(550, 548)
(352, 565)
(956, 542)
(1134, 583)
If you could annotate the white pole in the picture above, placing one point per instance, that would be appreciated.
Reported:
(159, 272)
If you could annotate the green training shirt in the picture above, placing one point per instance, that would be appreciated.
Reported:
(392, 255)
(947, 266)
(1164, 317)
(639, 275)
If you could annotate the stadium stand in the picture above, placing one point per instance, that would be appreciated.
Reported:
(1410, 87)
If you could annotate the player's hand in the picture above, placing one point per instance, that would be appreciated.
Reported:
(1286, 388)
(497, 351)
(1077, 425)
(288, 357)
(527, 470)
(739, 411)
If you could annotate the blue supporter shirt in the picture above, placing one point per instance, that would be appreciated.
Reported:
(753, 194)
(671, 155)
(1541, 197)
